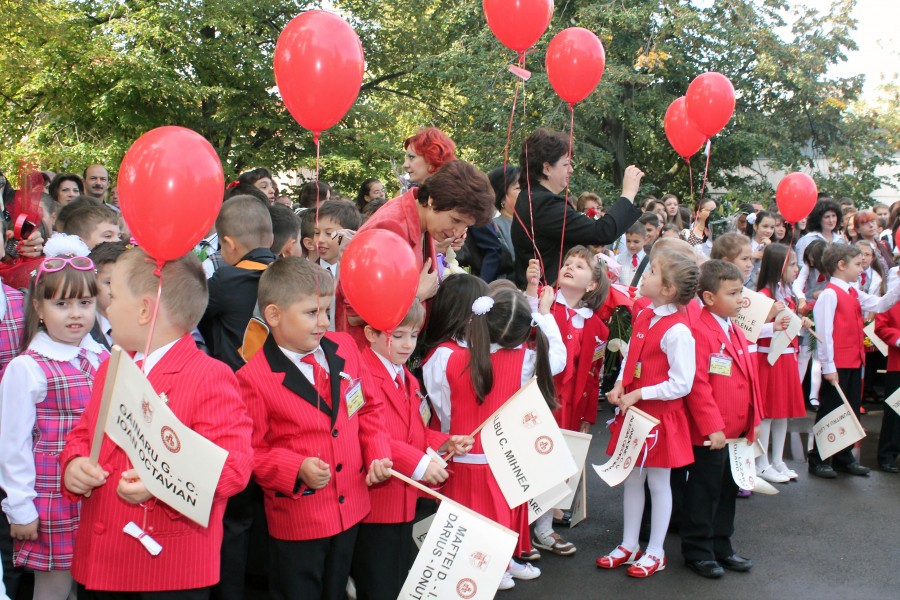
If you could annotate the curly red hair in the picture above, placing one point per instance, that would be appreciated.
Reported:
(434, 146)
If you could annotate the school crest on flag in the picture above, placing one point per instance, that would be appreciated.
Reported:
(838, 429)
(755, 309)
(525, 447)
(636, 426)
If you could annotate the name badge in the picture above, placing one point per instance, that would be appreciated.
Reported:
(637, 370)
(354, 398)
(720, 364)
(599, 349)
(424, 409)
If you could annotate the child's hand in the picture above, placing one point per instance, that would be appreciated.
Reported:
(630, 399)
(315, 473)
(782, 323)
(831, 378)
(614, 395)
(546, 301)
(435, 474)
(533, 277)
(131, 489)
(717, 440)
(631, 182)
(806, 323)
(343, 237)
(428, 282)
(459, 445)
(773, 312)
(82, 476)
(24, 533)
(379, 470)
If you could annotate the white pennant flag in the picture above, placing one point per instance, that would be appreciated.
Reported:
(636, 426)
(464, 555)
(755, 309)
(782, 339)
(894, 401)
(838, 429)
(562, 494)
(525, 448)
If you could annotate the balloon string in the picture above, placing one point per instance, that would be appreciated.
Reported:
(529, 234)
(691, 179)
(705, 172)
(562, 239)
(316, 140)
(512, 114)
(158, 273)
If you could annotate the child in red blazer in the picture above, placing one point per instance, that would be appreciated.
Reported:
(723, 403)
(887, 327)
(203, 393)
(317, 440)
(378, 574)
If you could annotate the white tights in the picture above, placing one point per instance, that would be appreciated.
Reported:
(53, 585)
(661, 510)
(778, 430)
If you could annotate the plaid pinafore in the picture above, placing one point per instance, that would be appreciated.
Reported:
(12, 326)
(68, 392)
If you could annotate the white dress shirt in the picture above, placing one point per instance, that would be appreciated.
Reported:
(23, 387)
(678, 345)
(306, 369)
(824, 310)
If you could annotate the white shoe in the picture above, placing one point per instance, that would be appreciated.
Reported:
(507, 583)
(784, 470)
(772, 475)
(523, 571)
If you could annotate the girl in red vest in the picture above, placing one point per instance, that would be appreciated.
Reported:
(658, 373)
(779, 384)
(481, 375)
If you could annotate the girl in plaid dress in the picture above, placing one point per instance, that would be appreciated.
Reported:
(42, 395)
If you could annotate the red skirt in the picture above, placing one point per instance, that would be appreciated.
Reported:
(672, 446)
(780, 387)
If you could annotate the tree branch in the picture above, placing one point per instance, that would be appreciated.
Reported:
(378, 80)
(408, 95)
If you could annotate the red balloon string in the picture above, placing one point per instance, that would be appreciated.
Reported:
(158, 272)
(316, 136)
(530, 233)
(705, 173)
(562, 238)
(691, 179)
(512, 114)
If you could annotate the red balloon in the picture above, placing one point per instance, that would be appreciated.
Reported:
(319, 68)
(170, 185)
(710, 102)
(681, 131)
(796, 195)
(575, 63)
(379, 277)
(518, 24)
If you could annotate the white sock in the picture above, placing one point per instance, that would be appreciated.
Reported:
(544, 525)
(659, 480)
(762, 461)
(779, 434)
(633, 509)
(816, 381)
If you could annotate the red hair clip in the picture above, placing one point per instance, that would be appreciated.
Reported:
(234, 183)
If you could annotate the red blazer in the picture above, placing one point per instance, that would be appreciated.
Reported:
(887, 327)
(289, 425)
(400, 216)
(578, 386)
(718, 402)
(203, 393)
(394, 501)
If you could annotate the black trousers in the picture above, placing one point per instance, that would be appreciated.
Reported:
(707, 518)
(850, 381)
(195, 594)
(889, 440)
(380, 562)
(312, 569)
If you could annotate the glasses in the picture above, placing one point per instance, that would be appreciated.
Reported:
(53, 265)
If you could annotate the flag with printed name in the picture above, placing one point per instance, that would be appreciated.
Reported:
(464, 555)
(525, 448)
(893, 401)
(636, 426)
(837, 430)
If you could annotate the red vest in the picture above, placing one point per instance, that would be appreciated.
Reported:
(848, 336)
(887, 327)
(578, 386)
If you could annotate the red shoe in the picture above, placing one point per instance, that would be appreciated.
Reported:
(647, 566)
(608, 562)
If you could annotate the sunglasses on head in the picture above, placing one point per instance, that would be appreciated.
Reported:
(55, 264)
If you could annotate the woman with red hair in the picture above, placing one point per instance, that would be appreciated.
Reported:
(426, 152)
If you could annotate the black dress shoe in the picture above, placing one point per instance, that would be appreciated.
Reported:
(889, 468)
(822, 470)
(736, 562)
(706, 568)
(853, 468)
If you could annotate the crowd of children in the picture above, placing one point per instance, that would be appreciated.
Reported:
(252, 349)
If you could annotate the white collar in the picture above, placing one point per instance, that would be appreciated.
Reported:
(154, 357)
(297, 357)
(105, 326)
(392, 369)
(665, 310)
(584, 312)
(724, 323)
(47, 347)
(4, 302)
(840, 283)
(327, 265)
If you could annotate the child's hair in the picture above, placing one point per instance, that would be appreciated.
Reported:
(679, 272)
(245, 189)
(246, 220)
(669, 227)
(50, 206)
(714, 272)
(66, 211)
(813, 254)
(371, 208)
(452, 309)
(308, 224)
(650, 218)
(835, 253)
(500, 284)
(415, 317)
(292, 279)
(751, 227)
(728, 246)
(596, 297)
(637, 228)
(677, 245)
(772, 268)
(66, 284)
(84, 220)
(313, 192)
(106, 253)
(342, 212)
(285, 226)
(254, 175)
(184, 293)
(508, 324)
(876, 265)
